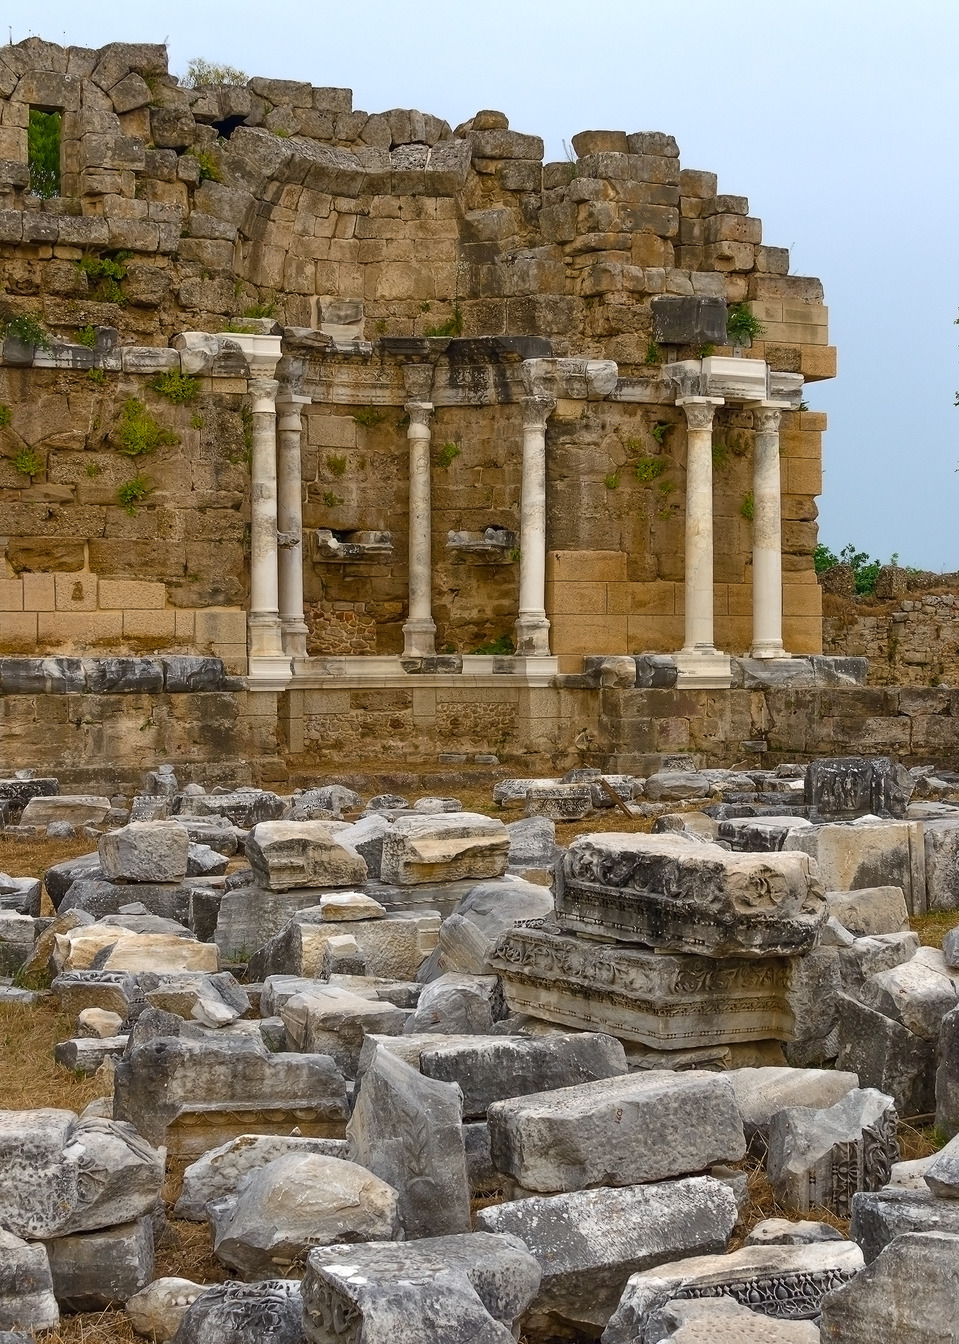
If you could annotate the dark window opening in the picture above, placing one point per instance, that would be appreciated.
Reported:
(227, 126)
(43, 152)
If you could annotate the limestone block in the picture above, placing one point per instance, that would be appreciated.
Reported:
(588, 1243)
(492, 1068)
(865, 854)
(211, 1000)
(761, 1092)
(90, 991)
(941, 839)
(347, 906)
(193, 1095)
(288, 854)
(157, 1310)
(20, 895)
(457, 1003)
(868, 956)
(909, 1294)
(662, 1001)
(78, 810)
(469, 934)
(786, 1282)
(851, 786)
(561, 802)
(874, 910)
(917, 993)
(821, 1158)
(366, 837)
(407, 1130)
(297, 1201)
(947, 1075)
(60, 1175)
(617, 1131)
(17, 936)
(447, 847)
(886, 1055)
(327, 1020)
(683, 895)
(93, 1271)
(26, 1287)
(145, 851)
(669, 785)
(723, 1321)
(234, 1313)
(97, 1024)
(160, 952)
(784, 1232)
(436, 1290)
(941, 1174)
(532, 843)
(394, 947)
(881, 1216)
(220, 1171)
(512, 792)
(243, 807)
(86, 1055)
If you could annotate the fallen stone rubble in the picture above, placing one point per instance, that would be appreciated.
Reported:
(348, 1020)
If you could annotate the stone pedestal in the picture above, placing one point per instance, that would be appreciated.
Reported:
(419, 630)
(532, 627)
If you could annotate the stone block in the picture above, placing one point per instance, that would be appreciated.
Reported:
(94, 1271)
(886, 1056)
(684, 895)
(157, 1310)
(617, 1131)
(295, 1202)
(844, 787)
(124, 593)
(661, 1001)
(394, 947)
(874, 910)
(145, 851)
(77, 809)
(436, 1290)
(882, 1216)
(327, 1020)
(947, 1075)
(941, 840)
(407, 1130)
(918, 993)
(588, 1243)
(784, 1282)
(288, 854)
(447, 847)
(27, 1301)
(467, 936)
(821, 1158)
(761, 1093)
(220, 1171)
(234, 1313)
(856, 855)
(908, 1294)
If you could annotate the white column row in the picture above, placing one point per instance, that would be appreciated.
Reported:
(767, 641)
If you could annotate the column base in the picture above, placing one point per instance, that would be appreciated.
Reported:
(767, 649)
(269, 672)
(703, 669)
(419, 639)
(531, 637)
(293, 634)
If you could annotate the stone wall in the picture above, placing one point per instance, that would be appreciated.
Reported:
(910, 640)
(233, 737)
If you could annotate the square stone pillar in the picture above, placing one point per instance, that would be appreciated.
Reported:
(293, 626)
(269, 665)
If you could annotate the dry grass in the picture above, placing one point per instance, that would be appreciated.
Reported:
(32, 858)
(932, 928)
(31, 1076)
(92, 1327)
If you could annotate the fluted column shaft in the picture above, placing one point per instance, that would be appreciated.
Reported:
(419, 631)
(290, 524)
(699, 637)
(532, 627)
(767, 536)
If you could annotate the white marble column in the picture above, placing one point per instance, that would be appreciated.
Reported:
(290, 523)
(767, 535)
(267, 659)
(419, 630)
(699, 638)
(532, 628)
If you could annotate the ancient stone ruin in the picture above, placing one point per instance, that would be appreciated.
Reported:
(482, 909)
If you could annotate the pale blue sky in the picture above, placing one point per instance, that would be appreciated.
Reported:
(838, 121)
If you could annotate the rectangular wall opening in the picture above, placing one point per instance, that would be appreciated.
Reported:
(43, 152)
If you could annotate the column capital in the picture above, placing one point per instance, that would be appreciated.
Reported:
(418, 381)
(289, 406)
(536, 411)
(263, 391)
(699, 410)
(419, 412)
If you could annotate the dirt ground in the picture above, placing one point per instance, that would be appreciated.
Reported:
(32, 1079)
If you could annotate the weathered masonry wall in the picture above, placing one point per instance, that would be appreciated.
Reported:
(371, 247)
(910, 641)
(234, 737)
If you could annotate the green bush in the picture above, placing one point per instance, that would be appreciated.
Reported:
(208, 164)
(741, 325)
(138, 433)
(86, 336)
(448, 454)
(199, 72)
(453, 326)
(27, 328)
(747, 508)
(43, 153)
(501, 647)
(29, 462)
(4, 415)
(649, 468)
(865, 571)
(176, 386)
(133, 492)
